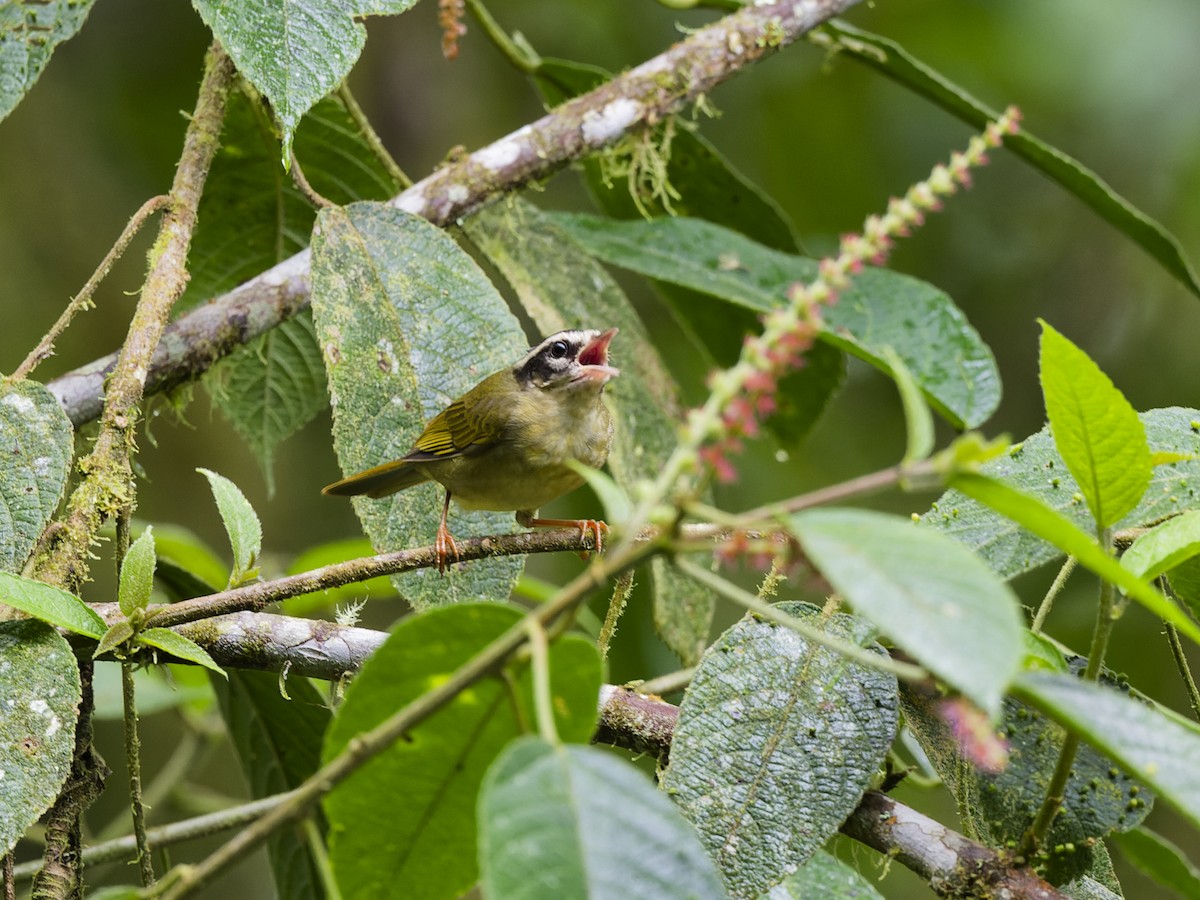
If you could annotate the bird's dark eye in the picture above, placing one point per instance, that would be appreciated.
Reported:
(559, 349)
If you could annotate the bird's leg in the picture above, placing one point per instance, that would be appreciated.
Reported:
(528, 519)
(443, 544)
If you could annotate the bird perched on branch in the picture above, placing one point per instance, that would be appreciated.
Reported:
(506, 443)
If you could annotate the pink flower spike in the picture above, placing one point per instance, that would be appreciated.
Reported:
(977, 740)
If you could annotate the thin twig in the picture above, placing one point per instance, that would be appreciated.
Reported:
(367, 130)
(1185, 671)
(543, 704)
(616, 605)
(303, 186)
(522, 58)
(667, 684)
(133, 758)
(83, 299)
(1060, 581)
(122, 848)
(1056, 790)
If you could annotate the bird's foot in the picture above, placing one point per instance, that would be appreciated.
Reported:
(444, 548)
(595, 527)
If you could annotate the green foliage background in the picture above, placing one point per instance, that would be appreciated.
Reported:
(1110, 83)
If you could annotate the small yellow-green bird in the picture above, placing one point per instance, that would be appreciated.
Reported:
(505, 443)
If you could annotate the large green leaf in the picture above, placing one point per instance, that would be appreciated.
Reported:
(777, 740)
(30, 30)
(1096, 431)
(278, 743)
(50, 604)
(879, 309)
(253, 217)
(998, 807)
(934, 598)
(407, 323)
(827, 877)
(1155, 745)
(897, 63)
(561, 287)
(557, 822)
(293, 51)
(1161, 861)
(408, 817)
(1048, 524)
(1035, 467)
(38, 442)
(39, 702)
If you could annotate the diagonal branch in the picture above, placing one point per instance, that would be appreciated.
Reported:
(633, 100)
(107, 483)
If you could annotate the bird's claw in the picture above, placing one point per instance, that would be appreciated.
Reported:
(444, 547)
(598, 530)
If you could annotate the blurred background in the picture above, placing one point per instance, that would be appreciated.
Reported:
(1113, 84)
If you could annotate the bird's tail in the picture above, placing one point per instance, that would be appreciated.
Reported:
(379, 481)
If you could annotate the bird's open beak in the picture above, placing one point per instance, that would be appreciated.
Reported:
(593, 359)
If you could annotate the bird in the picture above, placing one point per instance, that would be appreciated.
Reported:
(506, 443)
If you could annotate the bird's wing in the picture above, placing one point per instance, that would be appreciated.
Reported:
(469, 424)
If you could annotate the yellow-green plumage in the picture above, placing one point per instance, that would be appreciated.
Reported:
(504, 445)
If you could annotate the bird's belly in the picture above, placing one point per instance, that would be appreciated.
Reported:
(499, 483)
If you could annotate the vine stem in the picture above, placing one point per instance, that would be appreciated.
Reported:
(1057, 788)
(1185, 671)
(1047, 603)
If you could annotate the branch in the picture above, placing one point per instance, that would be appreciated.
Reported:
(630, 101)
(107, 483)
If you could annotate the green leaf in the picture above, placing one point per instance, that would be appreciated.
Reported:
(38, 443)
(51, 604)
(1046, 523)
(30, 30)
(39, 684)
(388, 828)
(560, 286)
(1034, 467)
(377, 273)
(895, 62)
(118, 633)
(1160, 861)
(572, 821)
(1185, 584)
(952, 366)
(327, 554)
(274, 385)
(930, 595)
(917, 420)
(293, 52)
(178, 646)
(827, 877)
(1155, 745)
(1164, 547)
(278, 744)
(776, 741)
(137, 574)
(1097, 432)
(998, 807)
(241, 524)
